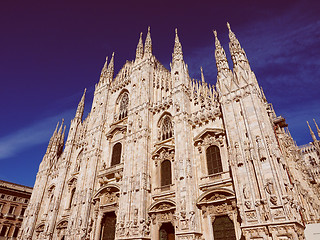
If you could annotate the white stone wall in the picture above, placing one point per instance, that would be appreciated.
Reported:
(254, 190)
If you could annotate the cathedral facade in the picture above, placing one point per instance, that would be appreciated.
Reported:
(163, 156)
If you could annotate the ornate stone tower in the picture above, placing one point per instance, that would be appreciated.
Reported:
(164, 156)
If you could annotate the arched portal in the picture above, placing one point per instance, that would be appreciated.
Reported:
(223, 228)
(166, 231)
(108, 226)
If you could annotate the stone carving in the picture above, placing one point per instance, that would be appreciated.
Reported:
(161, 114)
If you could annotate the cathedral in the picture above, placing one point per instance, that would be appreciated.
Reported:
(162, 156)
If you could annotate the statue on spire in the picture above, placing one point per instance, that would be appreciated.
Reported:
(139, 50)
(148, 45)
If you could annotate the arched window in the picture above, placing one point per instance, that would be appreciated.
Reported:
(123, 109)
(223, 229)
(71, 197)
(213, 160)
(116, 154)
(166, 128)
(166, 176)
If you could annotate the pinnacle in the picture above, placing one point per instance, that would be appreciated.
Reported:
(139, 50)
(228, 25)
(148, 45)
(202, 76)
(177, 50)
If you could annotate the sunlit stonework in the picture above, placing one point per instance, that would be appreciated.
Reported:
(163, 156)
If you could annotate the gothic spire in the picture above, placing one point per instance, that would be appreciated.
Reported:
(80, 108)
(312, 133)
(52, 138)
(60, 129)
(104, 69)
(177, 54)
(318, 130)
(110, 70)
(148, 45)
(220, 55)
(63, 135)
(237, 53)
(139, 50)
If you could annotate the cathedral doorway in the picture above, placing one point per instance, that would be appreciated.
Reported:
(166, 232)
(108, 226)
(223, 229)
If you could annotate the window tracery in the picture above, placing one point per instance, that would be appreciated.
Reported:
(123, 109)
(166, 128)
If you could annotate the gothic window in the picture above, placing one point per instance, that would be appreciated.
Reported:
(166, 128)
(223, 229)
(123, 110)
(116, 154)
(166, 177)
(72, 197)
(213, 160)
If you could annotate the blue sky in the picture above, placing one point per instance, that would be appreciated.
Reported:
(50, 52)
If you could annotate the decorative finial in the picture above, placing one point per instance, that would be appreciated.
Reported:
(228, 25)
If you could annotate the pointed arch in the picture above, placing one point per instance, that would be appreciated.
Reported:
(165, 126)
(122, 105)
(51, 188)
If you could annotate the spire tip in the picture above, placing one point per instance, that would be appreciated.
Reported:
(228, 25)
(215, 33)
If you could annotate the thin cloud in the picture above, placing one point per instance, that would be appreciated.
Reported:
(30, 136)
